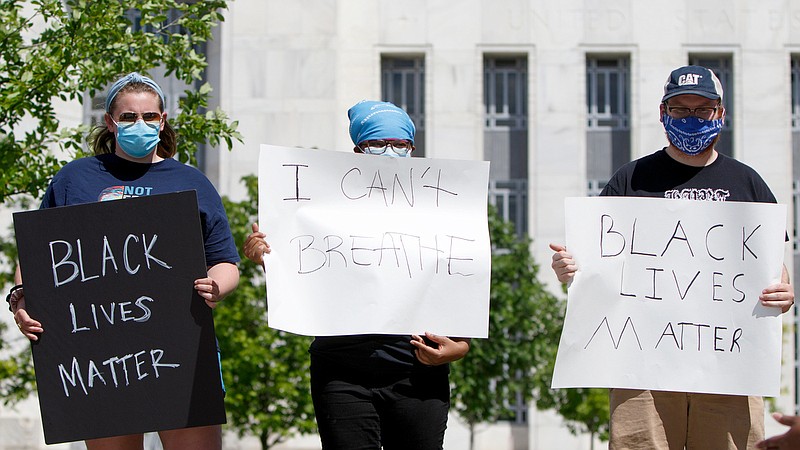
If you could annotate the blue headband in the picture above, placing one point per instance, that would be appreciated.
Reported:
(132, 77)
(379, 120)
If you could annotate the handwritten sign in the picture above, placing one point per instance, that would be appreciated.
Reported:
(666, 296)
(128, 345)
(366, 244)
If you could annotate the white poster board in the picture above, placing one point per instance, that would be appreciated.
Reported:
(365, 244)
(666, 296)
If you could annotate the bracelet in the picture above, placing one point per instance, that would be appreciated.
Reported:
(10, 293)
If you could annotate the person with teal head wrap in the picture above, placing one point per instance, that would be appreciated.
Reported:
(381, 128)
(378, 391)
(371, 120)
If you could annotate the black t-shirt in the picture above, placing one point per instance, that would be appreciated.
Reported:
(370, 354)
(658, 175)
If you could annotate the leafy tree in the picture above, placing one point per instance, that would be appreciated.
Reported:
(266, 371)
(516, 361)
(54, 51)
(586, 410)
(524, 327)
(16, 371)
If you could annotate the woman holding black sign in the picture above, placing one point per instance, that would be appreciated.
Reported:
(133, 157)
(373, 391)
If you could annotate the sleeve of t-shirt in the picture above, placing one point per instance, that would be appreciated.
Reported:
(62, 189)
(217, 238)
(614, 186)
(53, 192)
(219, 244)
(47, 200)
(763, 192)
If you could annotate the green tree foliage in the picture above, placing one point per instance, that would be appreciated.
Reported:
(16, 371)
(266, 371)
(524, 326)
(516, 362)
(55, 51)
(585, 410)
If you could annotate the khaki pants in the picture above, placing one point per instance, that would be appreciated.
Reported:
(659, 420)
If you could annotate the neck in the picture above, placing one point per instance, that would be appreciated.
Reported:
(151, 158)
(702, 159)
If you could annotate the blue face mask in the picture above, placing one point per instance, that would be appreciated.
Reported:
(138, 140)
(691, 135)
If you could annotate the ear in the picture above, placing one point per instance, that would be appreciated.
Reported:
(112, 127)
(662, 109)
(163, 121)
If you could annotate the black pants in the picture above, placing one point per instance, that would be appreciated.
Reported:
(366, 412)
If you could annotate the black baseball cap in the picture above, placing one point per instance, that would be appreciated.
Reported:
(695, 80)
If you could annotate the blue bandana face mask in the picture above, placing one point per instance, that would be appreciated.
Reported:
(691, 135)
(139, 139)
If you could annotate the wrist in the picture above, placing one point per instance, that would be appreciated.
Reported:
(10, 294)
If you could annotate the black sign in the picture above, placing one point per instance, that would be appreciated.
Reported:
(128, 345)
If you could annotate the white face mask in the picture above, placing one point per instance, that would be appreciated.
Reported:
(389, 152)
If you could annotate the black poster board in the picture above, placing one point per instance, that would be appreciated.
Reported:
(128, 345)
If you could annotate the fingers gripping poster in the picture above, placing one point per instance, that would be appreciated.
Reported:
(366, 244)
(666, 296)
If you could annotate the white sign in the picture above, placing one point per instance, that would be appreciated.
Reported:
(666, 296)
(365, 244)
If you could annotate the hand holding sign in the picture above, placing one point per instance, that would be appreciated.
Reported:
(256, 245)
(27, 326)
(442, 350)
(563, 263)
(779, 295)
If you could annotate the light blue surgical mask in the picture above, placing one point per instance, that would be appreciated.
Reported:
(139, 139)
(383, 151)
(394, 148)
(691, 135)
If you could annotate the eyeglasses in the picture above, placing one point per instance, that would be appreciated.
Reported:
(378, 147)
(682, 112)
(129, 118)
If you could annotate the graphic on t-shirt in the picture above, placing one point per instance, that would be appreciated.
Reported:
(118, 192)
(707, 194)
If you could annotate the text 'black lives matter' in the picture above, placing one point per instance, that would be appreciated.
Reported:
(129, 345)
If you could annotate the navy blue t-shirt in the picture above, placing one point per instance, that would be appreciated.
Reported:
(109, 177)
